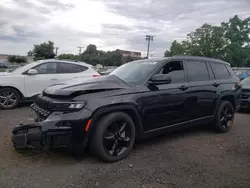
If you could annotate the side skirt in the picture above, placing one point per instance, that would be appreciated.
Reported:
(178, 126)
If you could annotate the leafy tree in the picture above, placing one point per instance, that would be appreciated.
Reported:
(227, 41)
(17, 59)
(94, 56)
(44, 50)
(12, 58)
(68, 56)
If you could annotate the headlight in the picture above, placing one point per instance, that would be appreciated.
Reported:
(66, 106)
(76, 105)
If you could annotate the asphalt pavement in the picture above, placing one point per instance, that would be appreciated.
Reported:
(197, 157)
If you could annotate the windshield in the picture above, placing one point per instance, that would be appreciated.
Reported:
(135, 72)
(246, 82)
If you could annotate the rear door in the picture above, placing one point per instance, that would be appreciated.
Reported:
(225, 81)
(202, 91)
(68, 71)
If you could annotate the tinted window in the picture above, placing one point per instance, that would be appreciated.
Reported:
(46, 68)
(220, 71)
(197, 71)
(136, 72)
(175, 70)
(211, 74)
(70, 68)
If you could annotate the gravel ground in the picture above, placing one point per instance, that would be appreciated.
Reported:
(196, 157)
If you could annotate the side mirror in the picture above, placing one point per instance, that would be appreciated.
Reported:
(32, 72)
(160, 79)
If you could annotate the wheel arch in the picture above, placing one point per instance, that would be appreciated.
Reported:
(20, 93)
(229, 98)
(129, 109)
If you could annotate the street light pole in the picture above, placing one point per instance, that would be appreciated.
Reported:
(149, 38)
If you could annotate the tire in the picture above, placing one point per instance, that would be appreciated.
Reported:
(223, 124)
(7, 92)
(108, 125)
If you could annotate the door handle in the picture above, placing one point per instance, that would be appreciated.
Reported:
(216, 84)
(53, 79)
(183, 87)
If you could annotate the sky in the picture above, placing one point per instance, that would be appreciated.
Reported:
(109, 24)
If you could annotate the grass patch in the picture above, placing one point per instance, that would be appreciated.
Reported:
(2, 70)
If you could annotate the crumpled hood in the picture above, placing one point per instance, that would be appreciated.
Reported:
(83, 86)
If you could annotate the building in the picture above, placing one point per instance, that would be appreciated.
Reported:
(4, 57)
(124, 53)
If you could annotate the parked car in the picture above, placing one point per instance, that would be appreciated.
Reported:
(245, 96)
(3, 65)
(137, 100)
(29, 80)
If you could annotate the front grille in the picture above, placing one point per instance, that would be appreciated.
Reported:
(44, 103)
(42, 107)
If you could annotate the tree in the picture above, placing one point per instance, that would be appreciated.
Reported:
(94, 56)
(44, 50)
(68, 56)
(17, 59)
(227, 41)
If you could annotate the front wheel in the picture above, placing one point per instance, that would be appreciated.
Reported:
(224, 117)
(9, 98)
(113, 137)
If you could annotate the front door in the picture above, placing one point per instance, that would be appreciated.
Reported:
(172, 105)
(46, 76)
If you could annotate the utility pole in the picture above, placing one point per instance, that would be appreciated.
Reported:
(149, 38)
(56, 50)
(80, 49)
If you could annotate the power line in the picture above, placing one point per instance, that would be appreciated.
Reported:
(149, 38)
(80, 49)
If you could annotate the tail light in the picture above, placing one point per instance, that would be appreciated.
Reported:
(95, 75)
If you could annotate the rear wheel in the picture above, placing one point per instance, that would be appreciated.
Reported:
(114, 137)
(9, 98)
(224, 117)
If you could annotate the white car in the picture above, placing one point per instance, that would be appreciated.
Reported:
(27, 81)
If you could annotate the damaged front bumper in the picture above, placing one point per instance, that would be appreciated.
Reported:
(32, 137)
(57, 131)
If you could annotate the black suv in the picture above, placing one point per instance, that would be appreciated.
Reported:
(139, 99)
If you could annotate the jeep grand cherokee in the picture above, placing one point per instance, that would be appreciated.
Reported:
(139, 99)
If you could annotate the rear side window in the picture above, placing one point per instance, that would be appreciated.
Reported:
(220, 71)
(64, 68)
(197, 71)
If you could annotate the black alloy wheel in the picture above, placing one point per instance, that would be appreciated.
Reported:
(113, 137)
(225, 116)
(9, 98)
(117, 138)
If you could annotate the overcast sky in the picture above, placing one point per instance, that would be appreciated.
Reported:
(110, 24)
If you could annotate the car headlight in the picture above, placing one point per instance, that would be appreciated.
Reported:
(66, 106)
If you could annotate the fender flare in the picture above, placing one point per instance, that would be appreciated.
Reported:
(122, 108)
